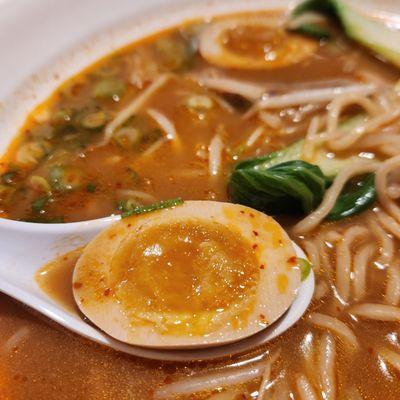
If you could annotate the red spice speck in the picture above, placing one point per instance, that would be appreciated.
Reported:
(262, 316)
(129, 225)
(242, 212)
(255, 245)
(252, 215)
(168, 379)
(107, 292)
(255, 233)
(65, 258)
(262, 266)
(77, 285)
(112, 236)
(292, 260)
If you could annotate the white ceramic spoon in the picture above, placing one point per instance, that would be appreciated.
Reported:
(25, 247)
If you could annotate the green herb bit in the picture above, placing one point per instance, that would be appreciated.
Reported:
(177, 54)
(91, 187)
(40, 203)
(93, 120)
(8, 178)
(5, 192)
(127, 137)
(199, 102)
(133, 175)
(65, 178)
(109, 88)
(39, 183)
(305, 268)
(160, 205)
(127, 205)
(62, 117)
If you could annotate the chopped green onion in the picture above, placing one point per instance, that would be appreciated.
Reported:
(305, 268)
(133, 175)
(30, 153)
(127, 205)
(39, 183)
(61, 117)
(127, 137)
(8, 177)
(109, 88)
(91, 187)
(175, 52)
(93, 120)
(160, 205)
(40, 203)
(5, 192)
(198, 102)
(65, 178)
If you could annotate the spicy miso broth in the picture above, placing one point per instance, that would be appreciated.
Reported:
(159, 120)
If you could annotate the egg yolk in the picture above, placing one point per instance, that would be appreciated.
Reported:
(268, 46)
(185, 278)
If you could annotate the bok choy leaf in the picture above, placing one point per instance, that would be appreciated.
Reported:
(373, 33)
(281, 183)
(354, 199)
(291, 187)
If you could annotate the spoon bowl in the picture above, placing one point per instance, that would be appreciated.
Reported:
(25, 247)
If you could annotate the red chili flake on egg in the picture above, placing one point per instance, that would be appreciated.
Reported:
(262, 266)
(262, 316)
(242, 212)
(255, 245)
(129, 225)
(255, 233)
(65, 258)
(107, 292)
(252, 215)
(292, 260)
(77, 285)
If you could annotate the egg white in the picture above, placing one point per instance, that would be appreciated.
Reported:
(271, 245)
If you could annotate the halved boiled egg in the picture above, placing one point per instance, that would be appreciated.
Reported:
(253, 43)
(199, 274)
